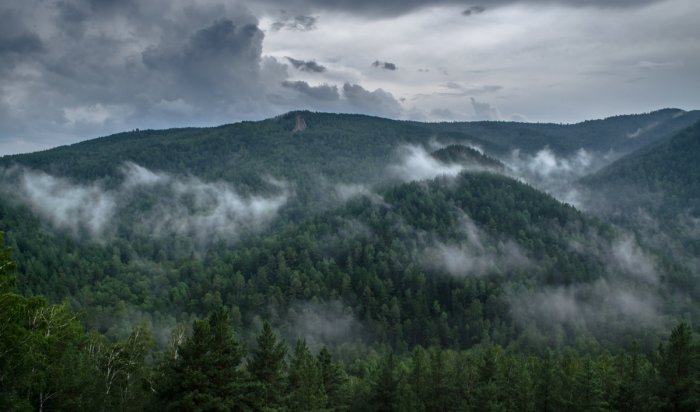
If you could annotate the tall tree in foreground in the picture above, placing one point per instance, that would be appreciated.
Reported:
(333, 380)
(305, 391)
(266, 369)
(385, 388)
(679, 372)
(205, 374)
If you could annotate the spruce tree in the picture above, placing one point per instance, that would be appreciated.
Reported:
(304, 383)
(205, 375)
(266, 369)
(679, 371)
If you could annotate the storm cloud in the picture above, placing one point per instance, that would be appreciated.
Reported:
(82, 68)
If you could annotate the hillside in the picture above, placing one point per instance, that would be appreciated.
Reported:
(620, 134)
(668, 169)
(156, 224)
(242, 151)
(350, 236)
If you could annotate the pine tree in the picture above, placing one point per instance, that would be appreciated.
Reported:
(333, 380)
(384, 393)
(679, 371)
(304, 383)
(486, 396)
(205, 374)
(266, 369)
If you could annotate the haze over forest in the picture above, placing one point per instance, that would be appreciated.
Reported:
(341, 206)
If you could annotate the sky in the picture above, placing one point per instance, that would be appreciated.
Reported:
(71, 70)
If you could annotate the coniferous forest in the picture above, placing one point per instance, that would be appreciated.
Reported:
(358, 264)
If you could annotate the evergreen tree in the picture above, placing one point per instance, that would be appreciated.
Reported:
(266, 370)
(679, 371)
(304, 384)
(588, 389)
(486, 397)
(205, 376)
(384, 391)
(333, 381)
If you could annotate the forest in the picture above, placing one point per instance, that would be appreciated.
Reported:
(359, 264)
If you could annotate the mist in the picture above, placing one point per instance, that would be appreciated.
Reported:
(323, 324)
(78, 208)
(417, 164)
(476, 255)
(557, 174)
(186, 206)
(202, 210)
(589, 306)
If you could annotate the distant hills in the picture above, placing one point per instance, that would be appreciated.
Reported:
(669, 167)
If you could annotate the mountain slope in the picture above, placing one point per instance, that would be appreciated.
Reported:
(662, 179)
(337, 145)
(621, 134)
(444, 262)
(165, 225)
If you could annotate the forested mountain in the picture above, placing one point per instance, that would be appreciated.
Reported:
(667, 172)
(241, 152)
(622, 134)
(367, 237)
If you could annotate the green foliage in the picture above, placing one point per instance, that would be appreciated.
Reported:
(48, 361)
(266, 369)
(204, 375)
(368, 256)
(305, 382)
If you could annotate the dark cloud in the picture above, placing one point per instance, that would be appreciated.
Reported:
(473, 10)
(384, 65)
(215, 60)
(109, 66)
(307, 66)
(16, 35)
(378, 102)
(321, 92)
(296, 23)
(22, 43)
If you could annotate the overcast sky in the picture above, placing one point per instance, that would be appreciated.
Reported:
(77, 69)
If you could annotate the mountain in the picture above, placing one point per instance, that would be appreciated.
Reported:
(350, 212)
(667, 170)
(358, 239)
(240, 152)
(620, 134)
(655, 192)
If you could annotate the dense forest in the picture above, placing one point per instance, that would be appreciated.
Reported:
(358, 264)
(51, 362)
